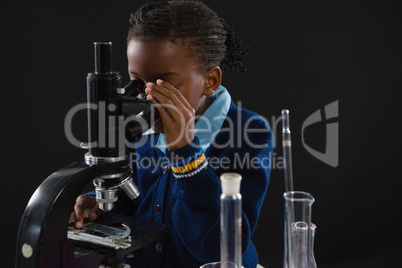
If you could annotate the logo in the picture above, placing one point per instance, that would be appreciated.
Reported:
(331, 154)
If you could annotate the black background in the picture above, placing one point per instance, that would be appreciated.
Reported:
(303, 55)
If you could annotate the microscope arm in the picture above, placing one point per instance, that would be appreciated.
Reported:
(43, 227)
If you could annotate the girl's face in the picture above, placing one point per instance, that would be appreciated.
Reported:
(149, 61)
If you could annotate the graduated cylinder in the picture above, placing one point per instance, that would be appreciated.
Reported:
(298, 231)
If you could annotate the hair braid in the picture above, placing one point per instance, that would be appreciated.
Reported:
(193, 24)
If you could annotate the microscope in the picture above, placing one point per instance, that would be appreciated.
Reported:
(115, 116)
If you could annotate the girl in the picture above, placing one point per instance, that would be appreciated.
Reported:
(179, 50)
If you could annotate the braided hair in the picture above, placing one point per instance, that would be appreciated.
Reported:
(193, 24)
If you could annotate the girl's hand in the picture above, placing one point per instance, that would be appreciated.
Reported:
(177, 115)
(85, 207)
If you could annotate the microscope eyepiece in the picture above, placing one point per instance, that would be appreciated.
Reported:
(134, 88)
(103, 57)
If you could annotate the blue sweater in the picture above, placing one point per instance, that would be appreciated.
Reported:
(182, 189)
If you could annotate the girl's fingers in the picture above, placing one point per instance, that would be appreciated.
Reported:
(165, 116)
(175, 112)
(175, 91)
(170, 98)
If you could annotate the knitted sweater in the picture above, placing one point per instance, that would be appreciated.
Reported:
(182, 188)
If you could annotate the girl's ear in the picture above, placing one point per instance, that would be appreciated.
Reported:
(213, 79)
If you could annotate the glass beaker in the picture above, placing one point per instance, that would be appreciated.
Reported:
(298, 237)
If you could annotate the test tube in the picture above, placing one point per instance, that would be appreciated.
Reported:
(231, 221)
